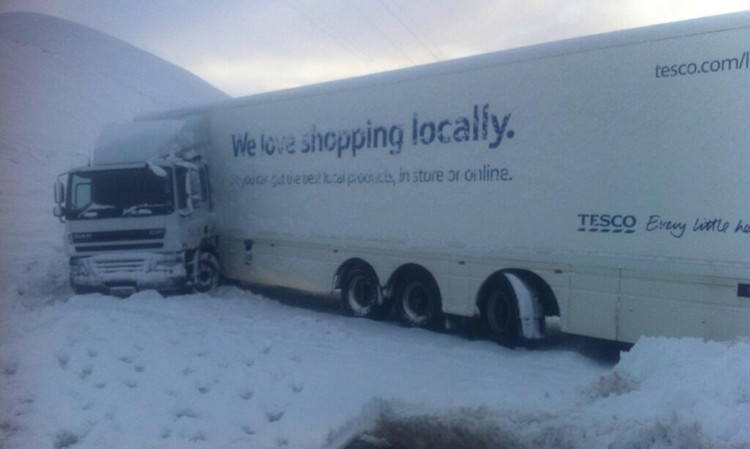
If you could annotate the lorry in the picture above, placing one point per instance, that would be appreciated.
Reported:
(140, 216)
(601, 180)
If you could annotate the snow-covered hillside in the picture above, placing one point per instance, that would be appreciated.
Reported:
(236, 370)
(59, 84)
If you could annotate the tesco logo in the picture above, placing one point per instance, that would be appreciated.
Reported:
(607, 223)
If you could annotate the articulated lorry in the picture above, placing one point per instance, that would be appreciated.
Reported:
(601, 180)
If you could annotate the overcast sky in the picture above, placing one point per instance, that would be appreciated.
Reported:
(249, 46)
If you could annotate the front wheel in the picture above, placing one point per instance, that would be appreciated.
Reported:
(206, 276)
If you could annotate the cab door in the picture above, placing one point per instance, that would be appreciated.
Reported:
(195, 206)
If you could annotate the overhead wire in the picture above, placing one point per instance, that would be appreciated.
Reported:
(409, 30)
(309, 15)
(380, 31)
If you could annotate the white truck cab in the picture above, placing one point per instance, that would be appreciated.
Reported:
(140, 216)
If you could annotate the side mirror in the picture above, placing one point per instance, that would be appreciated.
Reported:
(59, 192)
(195, 189)
(188, 210)
(195, 200)
(58, 212)
(188, 198)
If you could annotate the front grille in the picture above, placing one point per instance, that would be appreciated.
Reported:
(120, 266)
(109, 236)
(90, 248)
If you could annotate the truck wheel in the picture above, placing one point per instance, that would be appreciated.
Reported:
(360, 295)
(500, 317)
(418, 303)
(207, 274)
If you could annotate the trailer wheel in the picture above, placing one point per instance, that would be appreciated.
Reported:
(360, 295)
(207, 273)
(418, 303)
(500, 317)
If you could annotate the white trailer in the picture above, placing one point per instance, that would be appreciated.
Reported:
(603, 180)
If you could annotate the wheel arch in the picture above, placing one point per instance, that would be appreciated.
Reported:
(210, 244)
(546, 296)
(350, 264)
(408, 270)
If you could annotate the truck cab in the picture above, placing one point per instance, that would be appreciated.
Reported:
(140, 218)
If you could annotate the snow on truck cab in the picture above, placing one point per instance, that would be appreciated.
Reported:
(141, 215)
(601, 180)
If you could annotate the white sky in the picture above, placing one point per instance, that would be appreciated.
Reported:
(249, 46)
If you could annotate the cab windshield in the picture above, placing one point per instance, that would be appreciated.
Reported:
(133, 192)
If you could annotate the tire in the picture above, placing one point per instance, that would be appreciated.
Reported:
(418, 303)
(206, 276)
(360, 294)
(500, 317)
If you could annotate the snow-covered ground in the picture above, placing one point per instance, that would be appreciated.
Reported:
(234, 369)
(237, 370)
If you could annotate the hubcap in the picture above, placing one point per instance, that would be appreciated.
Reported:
(362, 294)
(417, 303)
(206, 273)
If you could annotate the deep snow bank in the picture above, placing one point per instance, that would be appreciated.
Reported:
(664, 393)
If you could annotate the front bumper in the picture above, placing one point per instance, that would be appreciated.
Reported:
(121, 274)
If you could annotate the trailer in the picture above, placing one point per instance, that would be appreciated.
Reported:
(602, 180)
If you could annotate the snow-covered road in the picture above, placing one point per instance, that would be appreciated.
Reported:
(235, 369)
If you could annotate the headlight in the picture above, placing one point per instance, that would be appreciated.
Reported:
(167, 262)
(78, 268)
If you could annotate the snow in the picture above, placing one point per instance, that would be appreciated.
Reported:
(148, 141)
(134, 142)
(235, 369)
